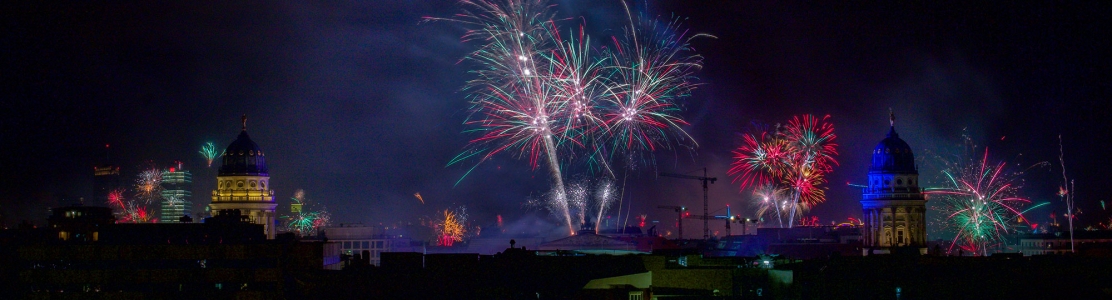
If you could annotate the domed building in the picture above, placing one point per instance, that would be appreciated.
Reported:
(242, 183)
(893, 204)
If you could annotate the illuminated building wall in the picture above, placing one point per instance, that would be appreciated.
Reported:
(893, 205)
(242, 183)
(177, 197)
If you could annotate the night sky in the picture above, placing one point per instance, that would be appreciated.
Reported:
(361, 104)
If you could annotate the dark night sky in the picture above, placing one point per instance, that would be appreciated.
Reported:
(360, 104)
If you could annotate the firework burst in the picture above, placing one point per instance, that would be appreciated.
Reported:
(116, 199)
(148, 185)
(979, 201)
(771, 202)
(208, 150)
(553, 97)
(653, 67)
(304, 219)
(451, 227)
(794, 158)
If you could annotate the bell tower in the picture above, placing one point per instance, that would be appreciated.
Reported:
(893, 205)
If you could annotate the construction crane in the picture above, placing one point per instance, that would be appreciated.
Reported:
(728, 217)
(679, 217)
(705, 179)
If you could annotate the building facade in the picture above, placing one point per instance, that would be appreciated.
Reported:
(177, 197)
(355, 239)
(106, 179)
(893, 205)
(243, 183)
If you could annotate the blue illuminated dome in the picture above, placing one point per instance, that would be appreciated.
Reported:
(893, 155)
(243, 157)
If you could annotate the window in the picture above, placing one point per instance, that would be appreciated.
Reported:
(239, 184)
(636, 295)
(366, 244)
(347, 245)
(378, 244)
(252, 183)
(899, 182)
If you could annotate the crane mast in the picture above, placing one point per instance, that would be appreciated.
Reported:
(705, 180)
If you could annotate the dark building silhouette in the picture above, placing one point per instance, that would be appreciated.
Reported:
(82, 254)
(106, 178)
(80, 223)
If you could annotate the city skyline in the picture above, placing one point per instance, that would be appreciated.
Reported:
(362, 107)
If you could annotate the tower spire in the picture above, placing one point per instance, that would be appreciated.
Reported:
(891, 117)
(244, 122)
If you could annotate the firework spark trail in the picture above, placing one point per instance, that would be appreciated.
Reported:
(590, 198)
(795, 157)
(604, 197)
(452, 227)
(306, 220)
(116, 199)
(1066, 190)
(148, 186)
(769, 199)
(550, 98)
(759, 160)
(128, 211)
(308, 223)
(136, 213)
(978, 201)
(208, 150)
(513, 103)
(578, 196)
(811, 143)
(298, 196)
(653, 67)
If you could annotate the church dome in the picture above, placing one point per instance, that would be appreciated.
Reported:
(243, 157)
(893, 155)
